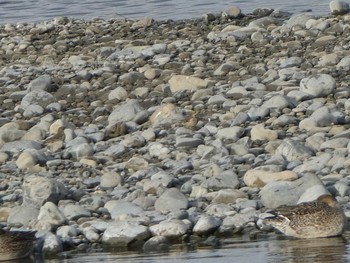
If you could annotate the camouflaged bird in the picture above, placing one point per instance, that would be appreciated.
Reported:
(16, 244)
(320, 218)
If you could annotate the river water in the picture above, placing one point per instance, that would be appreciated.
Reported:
(12, 11)
(236, 250)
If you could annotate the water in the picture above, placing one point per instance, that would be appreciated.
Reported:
(12, 11)
(280, 249)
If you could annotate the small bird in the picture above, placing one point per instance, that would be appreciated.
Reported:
(320, 218)
(16, 244)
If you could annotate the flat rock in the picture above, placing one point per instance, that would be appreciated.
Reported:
(339, 7)
(171, 200)
(318, 86)
(259, 178)
(118, 208)
(121, 234)
(182, 82)
(206, 225)
(293, 150)
(172, 229)
(258, 132)
(37, 190)
(306, 188)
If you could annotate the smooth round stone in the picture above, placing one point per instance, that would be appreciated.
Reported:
(221, 180)
(258, 132)
(206, 225)
(74, 212)
(232, 12)
(52, 245)
(81, 150)
(259, 178)
(118, 93)
(339, 7)
(38, 190)
(319, 85)
(22, 215)
(344, 64)
(159, 151)
(299, 20)
(289, 193)
(293, 150)
(228, 196)
(40, 83)
(231, 133)
(37, 97)
(120, 234)
(93, 201)
(156, 244)
(220, 210)
(171, 229)
(4, 157)
(26, 160)
(171, 200)
(91, 234)
(67, 233)
(50, 213)
(110, 180)
(182, 82)
(118, 208)
(125, 112)
(188, 142)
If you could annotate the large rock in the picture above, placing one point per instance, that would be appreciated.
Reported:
(259, 178)
(37, 97)
(74, 211)
(293, 150)
(121, 234)
(166, 115)
(41, 83)
(307, 188)
(51, 215)
(23, 215)
(171, 200)
(126, 111)
(320, 85)
(206, 225)
(339, 7)
(172, 229)
(258, 132)
(37, 190)
(223, 180)
(182, 82)
(118, 208)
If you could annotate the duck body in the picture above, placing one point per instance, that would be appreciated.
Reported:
(320, 218)
(16, 244)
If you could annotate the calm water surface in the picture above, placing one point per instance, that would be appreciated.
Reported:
(12, 11)
(322, 250)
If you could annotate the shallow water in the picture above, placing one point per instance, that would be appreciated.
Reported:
(12, 11)
(280, 249)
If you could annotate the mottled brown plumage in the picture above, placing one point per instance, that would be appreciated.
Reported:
(16, 244)
(320, 218)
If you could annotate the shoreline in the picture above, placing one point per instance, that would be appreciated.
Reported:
(141, 133)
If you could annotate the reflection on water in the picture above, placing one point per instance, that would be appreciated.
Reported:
(333, 250)
(280, 249)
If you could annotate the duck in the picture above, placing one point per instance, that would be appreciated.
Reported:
(16, 244)
(320, 218)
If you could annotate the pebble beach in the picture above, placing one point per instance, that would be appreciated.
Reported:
(139, 134)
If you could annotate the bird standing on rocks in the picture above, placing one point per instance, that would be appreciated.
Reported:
(16, 244)
(320, 218)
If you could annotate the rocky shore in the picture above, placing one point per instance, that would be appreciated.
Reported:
(126, 134)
